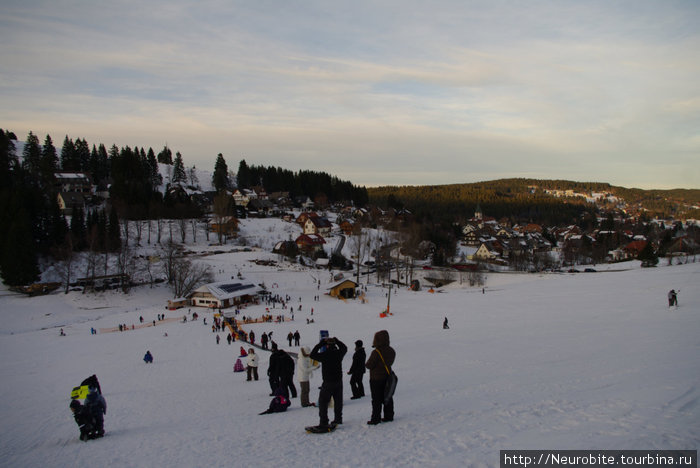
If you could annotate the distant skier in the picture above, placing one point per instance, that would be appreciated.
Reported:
(445, 326)
(98, 408)
(148, 358)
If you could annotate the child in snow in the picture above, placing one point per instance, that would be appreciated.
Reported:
(83, 419)
(148, 358)
(279, 403)
(98, 408)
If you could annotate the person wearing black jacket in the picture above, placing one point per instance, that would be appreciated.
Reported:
(331, 360)
(379, 364)
(273, 374)
(357, 371)
(285, 371)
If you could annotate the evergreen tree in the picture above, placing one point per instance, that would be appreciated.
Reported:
(78, 229)
(220, 177)
(18, 255)
(179, 176)
(165, 156)
(243, 177)
(8, 159)
(153, 170)
(82, 155)
(32, 156)
(49, 164)
(647, 256)
(69, 161)
(113, 231)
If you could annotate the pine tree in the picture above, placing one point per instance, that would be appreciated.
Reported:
(18, 255)
(243, 177)
(69, 162)
(113, 231)
(220, 177)
(165, 156)
(179, 175)
(82, 155)
(49, 164)
(32, 155)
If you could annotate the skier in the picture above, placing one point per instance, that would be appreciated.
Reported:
(297, 337)
(357, 371)
(98, 408)
(148, 358)
(379, 364)
(83, 419)
(332, 387)
(445, 326)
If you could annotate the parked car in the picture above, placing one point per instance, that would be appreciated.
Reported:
(590, 270)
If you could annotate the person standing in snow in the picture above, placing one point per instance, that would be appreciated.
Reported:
(83, 419)
(285, 367)
(97, 406)
(305, 368)
(297, 337)
(332, 371)
(379, 365)
(263, 340)
(290, 337)
(252, 363)
(445, 326)
(273, 375)
(357, 371)
(672, 298)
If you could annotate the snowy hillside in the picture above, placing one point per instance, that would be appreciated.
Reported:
(559, 361)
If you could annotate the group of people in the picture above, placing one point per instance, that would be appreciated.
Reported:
(328, 354)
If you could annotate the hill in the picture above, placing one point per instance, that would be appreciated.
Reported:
(534, 200)
(532, 361)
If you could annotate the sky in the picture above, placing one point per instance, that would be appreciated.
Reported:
(375, 92)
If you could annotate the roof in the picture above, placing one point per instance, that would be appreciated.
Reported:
(227, 290)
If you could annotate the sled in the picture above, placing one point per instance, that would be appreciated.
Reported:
(79, 393)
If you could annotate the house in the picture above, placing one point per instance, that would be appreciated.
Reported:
(73, 182)
(69, 201)
(486, 251)
(317, 225)
(310, 243)
(346, 289)
(225, 294)
(304, 202)
(304, 216)
(243, 196)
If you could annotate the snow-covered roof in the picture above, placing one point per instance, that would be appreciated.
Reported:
(228, 290)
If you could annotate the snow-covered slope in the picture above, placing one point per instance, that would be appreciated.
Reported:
(589, 361)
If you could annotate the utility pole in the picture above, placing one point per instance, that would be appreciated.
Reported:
(388, 302)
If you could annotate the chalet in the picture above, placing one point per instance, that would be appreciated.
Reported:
(304, 202)
(310, 243)
(73, 182)
(70, 201)
(317, 225)
(486, 251)
(243, 196)
(346, 289)
(304, 216)
(225, 294)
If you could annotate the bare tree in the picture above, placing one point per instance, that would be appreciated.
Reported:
(126, 266)
(187, 276)
(182, 226)
(66, 255)
(222, 210)
(169, 253)
(358, 245)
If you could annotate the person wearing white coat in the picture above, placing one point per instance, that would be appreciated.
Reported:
(305, 368)
(252, 363)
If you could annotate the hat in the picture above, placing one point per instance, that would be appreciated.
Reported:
(358, 344)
